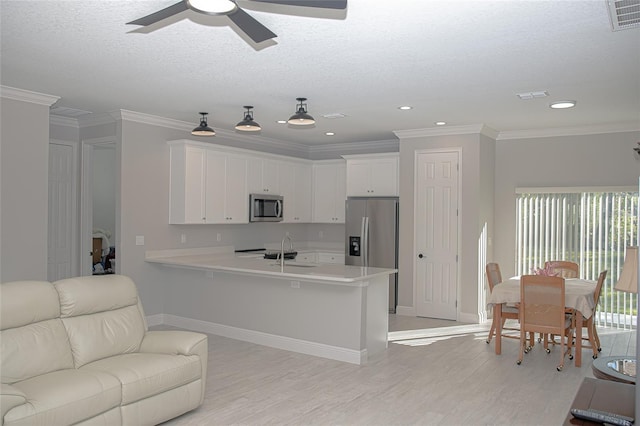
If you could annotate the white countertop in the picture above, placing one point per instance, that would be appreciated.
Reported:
(224, 260)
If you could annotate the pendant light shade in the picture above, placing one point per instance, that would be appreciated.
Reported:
(203, 129)
(301, 118)
(247, 124)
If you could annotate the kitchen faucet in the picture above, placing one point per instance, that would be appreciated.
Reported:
(282, 250)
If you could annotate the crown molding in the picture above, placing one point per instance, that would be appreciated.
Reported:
(448, 131)
(28, 96)
(571, 131)
(392, 145)
(58, 120)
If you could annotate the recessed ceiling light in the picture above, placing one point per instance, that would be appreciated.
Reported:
(405, 107)
(281, 121)
(440, 123)
(330, 134)
(563, 104)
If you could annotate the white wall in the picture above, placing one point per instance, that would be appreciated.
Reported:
(24, 190)
(604, 159)
(475, 210)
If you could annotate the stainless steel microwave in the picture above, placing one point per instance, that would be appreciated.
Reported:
(265, 208)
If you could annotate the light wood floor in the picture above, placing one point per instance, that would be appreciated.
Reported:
(436, 379)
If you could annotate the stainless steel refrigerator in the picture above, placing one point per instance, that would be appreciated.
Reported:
(372, 237)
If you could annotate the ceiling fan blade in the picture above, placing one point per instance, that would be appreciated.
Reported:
(325, 4)
(254, 29)
(160, 15)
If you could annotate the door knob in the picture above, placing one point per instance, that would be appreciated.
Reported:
(420, 255)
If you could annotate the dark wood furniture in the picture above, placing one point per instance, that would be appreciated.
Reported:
(604, 395)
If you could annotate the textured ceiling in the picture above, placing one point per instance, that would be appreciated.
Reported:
(462, 62)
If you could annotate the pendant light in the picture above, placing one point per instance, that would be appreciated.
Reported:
(248, 125)
(203, 129)
(301, 118)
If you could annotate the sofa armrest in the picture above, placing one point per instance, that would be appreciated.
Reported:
(178, 342)
(174, 342)
(10, 397)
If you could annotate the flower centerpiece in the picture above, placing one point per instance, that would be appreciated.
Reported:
(548, 270)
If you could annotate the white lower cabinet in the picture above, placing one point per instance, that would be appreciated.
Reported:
(331, 258)
(307, 257)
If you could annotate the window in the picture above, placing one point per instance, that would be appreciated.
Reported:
(591, 227)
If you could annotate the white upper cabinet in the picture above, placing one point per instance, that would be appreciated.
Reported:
(329, 192)
(207, 186)
(372, 175)
(263, 176)
(295, 187)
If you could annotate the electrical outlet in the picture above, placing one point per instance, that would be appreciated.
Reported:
(139, 240)
(286, 234)
(321, 235)
(295, 284)
(210, 274)
(183, 238)
(218, 237)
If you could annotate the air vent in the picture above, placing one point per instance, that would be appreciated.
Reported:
(624, 14)
(334, 115)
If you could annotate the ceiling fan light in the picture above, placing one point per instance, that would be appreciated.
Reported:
(203, 129)
(301, 118)
(247, 124)
(212, 7)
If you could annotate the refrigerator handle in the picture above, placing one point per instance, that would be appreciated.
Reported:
(365, 240)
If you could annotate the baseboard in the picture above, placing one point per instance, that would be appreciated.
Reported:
(280, 342)
(156, 319)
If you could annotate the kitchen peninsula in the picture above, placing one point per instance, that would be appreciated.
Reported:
(329, 310)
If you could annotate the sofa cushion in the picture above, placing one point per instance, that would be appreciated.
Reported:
(34, 349)
(26, 302)
(102, 316)
(144, 374)
(97, 293)
(105, 334)
(65, 397)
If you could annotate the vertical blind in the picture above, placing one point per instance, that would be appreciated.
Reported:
(591, 227)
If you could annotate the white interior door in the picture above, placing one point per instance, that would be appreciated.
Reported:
(62, 217)
(436, 234)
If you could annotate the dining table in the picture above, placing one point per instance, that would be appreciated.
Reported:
(578, 296)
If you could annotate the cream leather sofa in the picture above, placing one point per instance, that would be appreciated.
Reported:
(78, 352)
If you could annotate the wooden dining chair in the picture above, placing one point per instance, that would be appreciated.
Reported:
(508, 312)
(590, 323)
(563, 268)
(542, 310)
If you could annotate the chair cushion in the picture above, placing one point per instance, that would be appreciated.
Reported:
(65, 397)
(34, 349)
(145, 374)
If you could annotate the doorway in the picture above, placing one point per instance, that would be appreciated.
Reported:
(436, 224)
(98, 207)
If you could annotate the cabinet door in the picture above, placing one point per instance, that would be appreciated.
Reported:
(263, 176)
(359, 178)
(329, 193)
(340, 195)
(236, 197)
(330, 258)
(302, 191)
(324, 189)
(383, 177)
(193, 201)
(215, 187)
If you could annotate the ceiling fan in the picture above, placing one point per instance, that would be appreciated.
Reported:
(249, 25)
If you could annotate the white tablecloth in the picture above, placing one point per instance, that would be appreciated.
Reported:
(578, 294)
